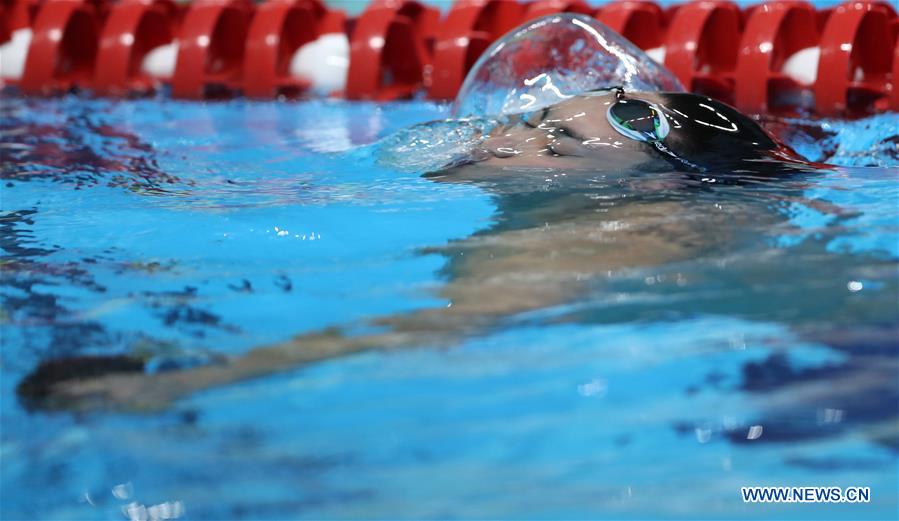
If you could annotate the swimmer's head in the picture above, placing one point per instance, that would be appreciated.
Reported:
(614, 131)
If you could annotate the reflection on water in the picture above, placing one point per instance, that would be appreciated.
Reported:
(660, 342)
(76, 148)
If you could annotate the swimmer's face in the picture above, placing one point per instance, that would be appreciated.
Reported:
(578, 135)
(572, 134)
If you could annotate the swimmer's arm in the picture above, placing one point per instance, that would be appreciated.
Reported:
(495, 276)
(501, 275)
(148, 392)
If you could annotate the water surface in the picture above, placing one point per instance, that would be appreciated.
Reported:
(182, 231)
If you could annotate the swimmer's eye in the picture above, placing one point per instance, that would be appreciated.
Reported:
(638, 120)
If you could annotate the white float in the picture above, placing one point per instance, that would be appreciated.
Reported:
(657, 54)
(802, 66)
(160, 61)
(13, 54)
(324, 63)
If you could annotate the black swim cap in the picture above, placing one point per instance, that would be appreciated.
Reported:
(713, 136)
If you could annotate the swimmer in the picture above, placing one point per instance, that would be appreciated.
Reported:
(595, 184)
(611, 131)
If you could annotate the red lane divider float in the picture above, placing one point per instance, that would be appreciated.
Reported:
(16, 15)
(5, 26)
(278, 29)
(641, 22)
(63, 46)
(852, 58)
(701, 47)
(211, 48)
(390, 50)
(773, 33)
(779, 56)
(547, 7)
(894, 99)
(468, 29)
(133, 28)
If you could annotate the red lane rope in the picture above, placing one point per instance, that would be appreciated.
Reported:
(391, 47)
(641, 22)
(132, 29)
(278, 29)
(773, 32)
(467, 30)
(399, 47)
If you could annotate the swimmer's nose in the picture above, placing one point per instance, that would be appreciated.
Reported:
(566, 147)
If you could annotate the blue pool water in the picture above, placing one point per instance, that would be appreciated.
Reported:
(183, 231)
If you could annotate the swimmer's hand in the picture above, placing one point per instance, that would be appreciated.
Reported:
(119, 383)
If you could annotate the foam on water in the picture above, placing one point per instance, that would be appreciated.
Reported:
(871, 141)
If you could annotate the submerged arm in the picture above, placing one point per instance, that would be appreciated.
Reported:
(492, 277)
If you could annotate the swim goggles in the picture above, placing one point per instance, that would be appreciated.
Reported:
(643, 121)
(634, 118)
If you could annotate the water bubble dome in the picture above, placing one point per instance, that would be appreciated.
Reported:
(554, 58)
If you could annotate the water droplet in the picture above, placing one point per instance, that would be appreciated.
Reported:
(755, 432)
(123, 490)
(703, 435)
(595, 387)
